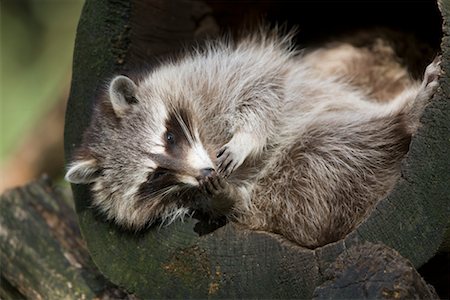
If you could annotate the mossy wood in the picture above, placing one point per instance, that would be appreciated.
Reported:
(42, 253)
(174, 261)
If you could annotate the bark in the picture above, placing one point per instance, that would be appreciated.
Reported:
(373, 271)
(42, 253)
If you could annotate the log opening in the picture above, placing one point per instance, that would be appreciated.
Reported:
(116, 36)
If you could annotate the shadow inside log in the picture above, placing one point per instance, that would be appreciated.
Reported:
(207, 225)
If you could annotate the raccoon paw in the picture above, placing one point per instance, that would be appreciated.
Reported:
(221, 195)
(215, 185)
(234, 153)
(430, 78)
(228, 160)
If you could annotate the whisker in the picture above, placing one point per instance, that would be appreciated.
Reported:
(185, 128)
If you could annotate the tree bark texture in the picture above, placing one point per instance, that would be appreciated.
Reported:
(373, 271)
(174, 261)
(42, 253)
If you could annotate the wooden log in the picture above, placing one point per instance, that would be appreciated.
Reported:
(42, 253)
(373, 271)
(176, 261)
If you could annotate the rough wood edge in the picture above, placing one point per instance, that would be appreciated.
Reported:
(373, 271)
(42, 253)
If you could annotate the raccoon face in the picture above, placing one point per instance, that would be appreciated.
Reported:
(138, 153)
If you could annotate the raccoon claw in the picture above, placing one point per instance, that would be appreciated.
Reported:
(224, 159)
(221, 151)
(228, 161)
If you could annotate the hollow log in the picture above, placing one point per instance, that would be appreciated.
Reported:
(175, 261)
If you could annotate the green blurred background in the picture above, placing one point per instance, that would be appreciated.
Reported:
(37, 39)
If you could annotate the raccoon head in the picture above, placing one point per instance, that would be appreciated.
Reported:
(140, 153)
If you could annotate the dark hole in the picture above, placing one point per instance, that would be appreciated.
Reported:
(319, 21)
(437, 273)
(206, 224)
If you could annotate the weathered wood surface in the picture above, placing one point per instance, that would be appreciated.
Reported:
(44, 257)
(373, 271)
(42, 253)
(174, 261)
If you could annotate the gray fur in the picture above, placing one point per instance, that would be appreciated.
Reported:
(303, 151)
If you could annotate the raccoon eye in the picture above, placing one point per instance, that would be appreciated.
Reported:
(170, 138)
(158, 174)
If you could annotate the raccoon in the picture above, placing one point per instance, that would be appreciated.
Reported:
(253, 130)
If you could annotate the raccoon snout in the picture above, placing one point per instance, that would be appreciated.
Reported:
(206, 175)
(206, 172)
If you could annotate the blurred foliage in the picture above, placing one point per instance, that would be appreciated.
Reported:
(37, 39)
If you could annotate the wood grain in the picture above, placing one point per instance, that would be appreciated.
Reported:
(42, 253)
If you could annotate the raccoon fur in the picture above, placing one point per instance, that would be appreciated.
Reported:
(256, 131)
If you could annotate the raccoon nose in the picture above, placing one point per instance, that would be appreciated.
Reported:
(206, 172)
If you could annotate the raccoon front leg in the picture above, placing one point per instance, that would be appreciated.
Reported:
(254, 124)
(252, 116)
(233, 153)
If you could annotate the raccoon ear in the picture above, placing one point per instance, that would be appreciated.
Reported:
(122, 92)
(82, 171)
